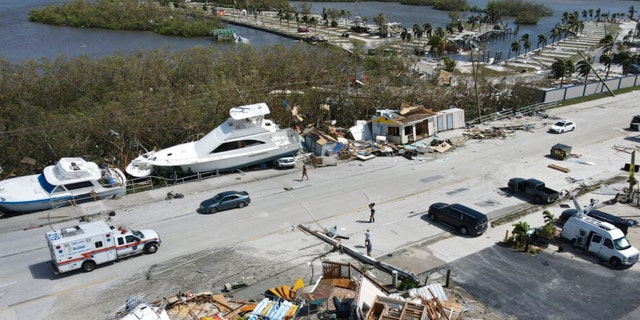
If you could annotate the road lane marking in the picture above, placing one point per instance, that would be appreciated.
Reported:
(57, 293)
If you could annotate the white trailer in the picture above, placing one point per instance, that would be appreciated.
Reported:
(86, 245)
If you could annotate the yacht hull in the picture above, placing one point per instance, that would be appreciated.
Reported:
(72, 181)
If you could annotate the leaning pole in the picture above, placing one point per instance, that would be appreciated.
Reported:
(597, 75)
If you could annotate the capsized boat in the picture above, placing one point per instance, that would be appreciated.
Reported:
(70, 181)
(245, 139)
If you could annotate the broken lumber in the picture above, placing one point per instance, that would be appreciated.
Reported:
(559, 168)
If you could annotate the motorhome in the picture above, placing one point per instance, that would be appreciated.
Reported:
(87, 245)
(601, 239)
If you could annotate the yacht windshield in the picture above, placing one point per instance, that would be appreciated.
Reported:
(45, 184)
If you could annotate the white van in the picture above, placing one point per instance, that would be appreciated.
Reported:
(601, 239)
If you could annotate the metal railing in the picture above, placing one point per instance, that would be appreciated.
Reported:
(510, 113)
(135, 185)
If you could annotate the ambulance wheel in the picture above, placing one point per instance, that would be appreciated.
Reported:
(615, 262)
(88, 266)
(151, 249)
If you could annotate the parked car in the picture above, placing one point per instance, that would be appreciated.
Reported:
(286, 163)
(562, 126)
(224, 201)
(464, 219)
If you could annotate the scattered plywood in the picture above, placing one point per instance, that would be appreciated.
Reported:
(442, 147)
(559, 168)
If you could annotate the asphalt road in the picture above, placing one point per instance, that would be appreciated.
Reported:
(261, 246)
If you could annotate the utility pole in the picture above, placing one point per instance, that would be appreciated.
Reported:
(632, 180)
(474, 69)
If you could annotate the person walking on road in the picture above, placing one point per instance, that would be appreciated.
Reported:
(372, 217)
(367, 243)
(367, 237)
(304, 172)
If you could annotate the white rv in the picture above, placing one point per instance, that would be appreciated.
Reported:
(601, 239)
(86, 245)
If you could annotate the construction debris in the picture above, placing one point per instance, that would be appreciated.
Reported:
(559, 168)
(490, 133)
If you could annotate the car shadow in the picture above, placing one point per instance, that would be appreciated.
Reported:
(44, 270)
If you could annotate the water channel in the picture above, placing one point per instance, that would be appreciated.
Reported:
(22, 40)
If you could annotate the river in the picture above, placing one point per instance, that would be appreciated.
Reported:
(21, 39)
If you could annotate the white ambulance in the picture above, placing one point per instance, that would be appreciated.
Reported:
(86, 245)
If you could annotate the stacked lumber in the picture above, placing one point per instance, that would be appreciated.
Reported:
(437, 310)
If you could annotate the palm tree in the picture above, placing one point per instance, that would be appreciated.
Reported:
(520, 237)
(606, 44)
(515, 47)
(625, 60)
(542, 40)
(380, 20)
(606, 60)
(632, 12)
(472, 20)
(405, 35)
(590, 14)
(345, 14)
(583, 67)
(449, 29)
(555, 33)
(526, 43)
(562, 68)
(565, 17)
(427, 29)
(437, 44)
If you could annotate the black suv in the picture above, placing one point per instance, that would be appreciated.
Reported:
(464, 219)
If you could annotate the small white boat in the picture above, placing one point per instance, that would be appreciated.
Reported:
(245, 139)
(69, 182)
(240, 39)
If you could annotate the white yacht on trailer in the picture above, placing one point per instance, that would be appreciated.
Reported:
(245, 139)
(68, 182)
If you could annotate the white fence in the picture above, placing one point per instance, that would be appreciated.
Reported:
(591, 88)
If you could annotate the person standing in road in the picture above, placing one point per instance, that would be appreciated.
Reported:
(367, 237)
(304, 172)
(367, 244)
(373, 212)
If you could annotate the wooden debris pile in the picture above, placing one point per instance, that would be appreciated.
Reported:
(365, 150)
(489, 133)
(198, 306)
